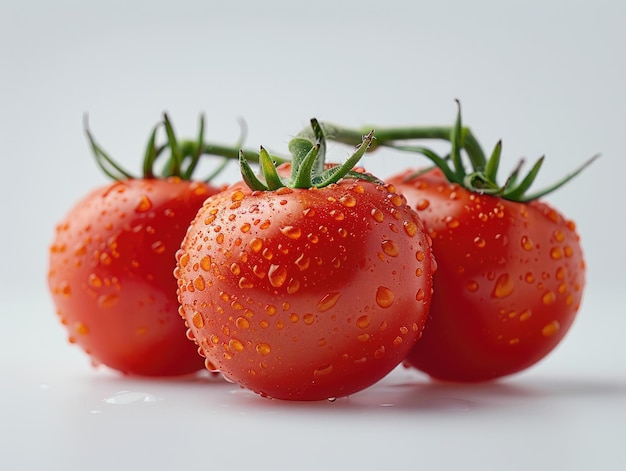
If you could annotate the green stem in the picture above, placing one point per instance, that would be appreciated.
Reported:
(386, 136)
(230, 152)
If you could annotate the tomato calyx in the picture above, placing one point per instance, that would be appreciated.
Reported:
(184, 155)
(481, 178)
(308, 163)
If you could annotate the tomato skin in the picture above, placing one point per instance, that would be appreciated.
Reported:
(110, 274)
(305, 294)
(509, 282)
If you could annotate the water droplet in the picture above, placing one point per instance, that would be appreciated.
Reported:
(558, 235)
(144, 204)
(108, 300)
(81, 329)
(293, 286)
(363, 337)
(479, 242)
(323, 371)
(237, 195)
(452, 222)
(397, 341)
(551, 329)
(337, 215)
(245, 227)
(263, 349)
(182, 257)
(524, 316)
(277, 274)
(293, 317)
(328, 301)
(549, 297)
(211, 366)
(363, 322)
(197, 320)
(94, 281)
(504, 286)
(472, 286)
(235, 345)
(514, 341)
(556, 253)
(568, 251)
(308, 318)
(235, 269)
(390, 248)
(302, 262)
(158, 247)
(397, 200)
(292, 232)
(205, 263)
(422, 204)
(256, 244)
(198, 283)
(560, 273)
(105, 259)
(419, 296)
(380, 352)
(384, 297)
(348, 201)
(124, 398)
(378, 215)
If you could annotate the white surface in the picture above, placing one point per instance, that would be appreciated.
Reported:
(546, 76)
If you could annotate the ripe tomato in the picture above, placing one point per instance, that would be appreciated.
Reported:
(111, 266)
(305, 293)
(110, 271)
(509, 282)
(511, 270)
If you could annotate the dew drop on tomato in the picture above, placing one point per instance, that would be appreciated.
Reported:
(277, 275)
(328, 301)
(108, 300)
(504, 286)
(390, 248)
(323, 370)
(384, 297)
(211, 367)
(263, 349)
(144, 204)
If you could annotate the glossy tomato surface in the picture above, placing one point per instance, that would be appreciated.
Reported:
(509, 283)
(305, 294)
(110, 274)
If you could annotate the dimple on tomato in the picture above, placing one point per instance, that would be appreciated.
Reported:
(308, 289)
(111, 263)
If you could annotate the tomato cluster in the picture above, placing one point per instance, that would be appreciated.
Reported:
(310, 280)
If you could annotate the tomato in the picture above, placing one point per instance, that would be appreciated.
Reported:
(509, 282)
(111, 266)
(305, 292)
(110, 271)
(511, 271)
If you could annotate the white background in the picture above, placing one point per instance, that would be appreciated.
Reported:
(546, 76)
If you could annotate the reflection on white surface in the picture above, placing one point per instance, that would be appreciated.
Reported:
(568, 412)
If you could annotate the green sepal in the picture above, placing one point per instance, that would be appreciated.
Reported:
(268, 167)
(109, 166)
(248, 175)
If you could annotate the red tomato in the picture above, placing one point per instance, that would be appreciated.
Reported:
(111, 279)
(509, 282)
(305, 293)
